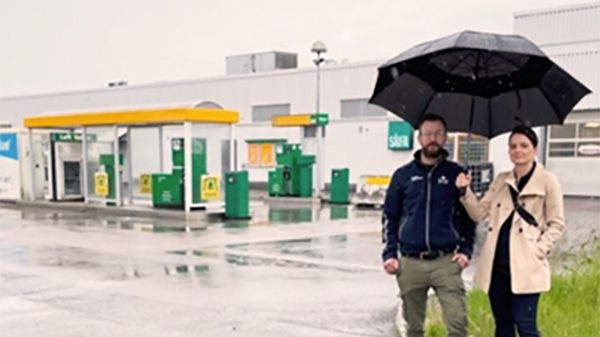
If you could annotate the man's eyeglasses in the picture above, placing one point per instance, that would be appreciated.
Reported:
(436, 134)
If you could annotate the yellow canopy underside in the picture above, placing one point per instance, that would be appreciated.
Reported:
(134, 117)
(291, 120)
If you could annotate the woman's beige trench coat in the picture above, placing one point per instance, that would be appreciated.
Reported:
(529, 245)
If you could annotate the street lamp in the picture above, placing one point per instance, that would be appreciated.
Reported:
(319, 48)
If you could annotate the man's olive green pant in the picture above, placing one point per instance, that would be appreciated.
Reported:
(415, 277)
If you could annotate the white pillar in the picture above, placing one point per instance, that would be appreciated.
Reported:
(85, 164)
(319, 164)
(232, 154)
(187, 160)
(129, 168)
(118, 199)
(31, 165)
(160, 149)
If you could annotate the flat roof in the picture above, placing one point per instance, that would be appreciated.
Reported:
(210, 79)
(134, 117)
(557, 9)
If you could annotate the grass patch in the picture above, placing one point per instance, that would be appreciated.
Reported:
(571, 308)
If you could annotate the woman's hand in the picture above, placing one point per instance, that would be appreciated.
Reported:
(463, 180)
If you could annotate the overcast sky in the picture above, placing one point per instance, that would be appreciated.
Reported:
(60, 45)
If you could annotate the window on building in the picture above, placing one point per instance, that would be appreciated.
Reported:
(574, 140)
(477, 152)
(261, 152)
(449, 146)
(310, 131)
(353, 108)
(562, 149)
(264, 113)
(589, 130)
(563, 131)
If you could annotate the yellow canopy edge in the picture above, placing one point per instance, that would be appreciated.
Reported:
(291, 120)
(134, 117)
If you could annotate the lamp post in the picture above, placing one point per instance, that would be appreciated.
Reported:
(319, 48)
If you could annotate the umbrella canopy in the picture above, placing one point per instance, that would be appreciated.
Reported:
(478, 82)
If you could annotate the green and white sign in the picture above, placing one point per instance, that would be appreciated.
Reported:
(70, 137)
(400, 136)
(320, 119)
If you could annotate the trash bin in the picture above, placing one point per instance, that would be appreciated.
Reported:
(305, 173)
(275, 183)
(167, 190)
(339, 192)
(237, 195)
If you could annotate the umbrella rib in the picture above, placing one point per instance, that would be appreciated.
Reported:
(460, 61)
(424, 111)
(554, 108)
(485, 68)
(509, 61)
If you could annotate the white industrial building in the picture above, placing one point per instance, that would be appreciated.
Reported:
(570, 36)
(357, 134)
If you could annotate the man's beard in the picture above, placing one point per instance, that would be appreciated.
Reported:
(432, 150)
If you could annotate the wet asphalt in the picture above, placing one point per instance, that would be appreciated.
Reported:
(297, 271)
(286, 272)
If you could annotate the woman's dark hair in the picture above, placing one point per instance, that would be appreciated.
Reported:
(525, 131)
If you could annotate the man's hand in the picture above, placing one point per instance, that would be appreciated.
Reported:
(463, 180)
(461, 259)
(391, 266)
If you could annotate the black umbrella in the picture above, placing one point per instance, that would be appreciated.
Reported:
(478, 82)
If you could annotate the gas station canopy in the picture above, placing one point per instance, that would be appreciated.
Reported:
(318, 119)
(103, 163)
(134, 117)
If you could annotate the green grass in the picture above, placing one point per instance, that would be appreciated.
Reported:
(571, 308)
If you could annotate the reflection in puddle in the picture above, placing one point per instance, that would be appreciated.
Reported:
(261, 216)
(290, 215)
(338, 212)
(262, 260)
(192, 252)
(65, 257)
(238, 224)
(187, 269)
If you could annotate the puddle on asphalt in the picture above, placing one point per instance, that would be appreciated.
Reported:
(193, 252)
(64, 257)
(270, 216)
(262, 216)
(187, 269)
(90, 220)
(326, 252)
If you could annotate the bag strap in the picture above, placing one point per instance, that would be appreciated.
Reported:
(522, 211)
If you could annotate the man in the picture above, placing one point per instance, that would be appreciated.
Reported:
(424, 221)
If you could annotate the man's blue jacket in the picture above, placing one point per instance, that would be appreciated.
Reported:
(422, 211)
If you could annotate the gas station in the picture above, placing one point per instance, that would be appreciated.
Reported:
(165, 157)
(293, 174)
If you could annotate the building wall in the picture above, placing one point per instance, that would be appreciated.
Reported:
(297, 87)
(559, 25)
(569, 35)
(294, 87)
(579, 175)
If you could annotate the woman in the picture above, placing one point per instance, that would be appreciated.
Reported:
(525, 212)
